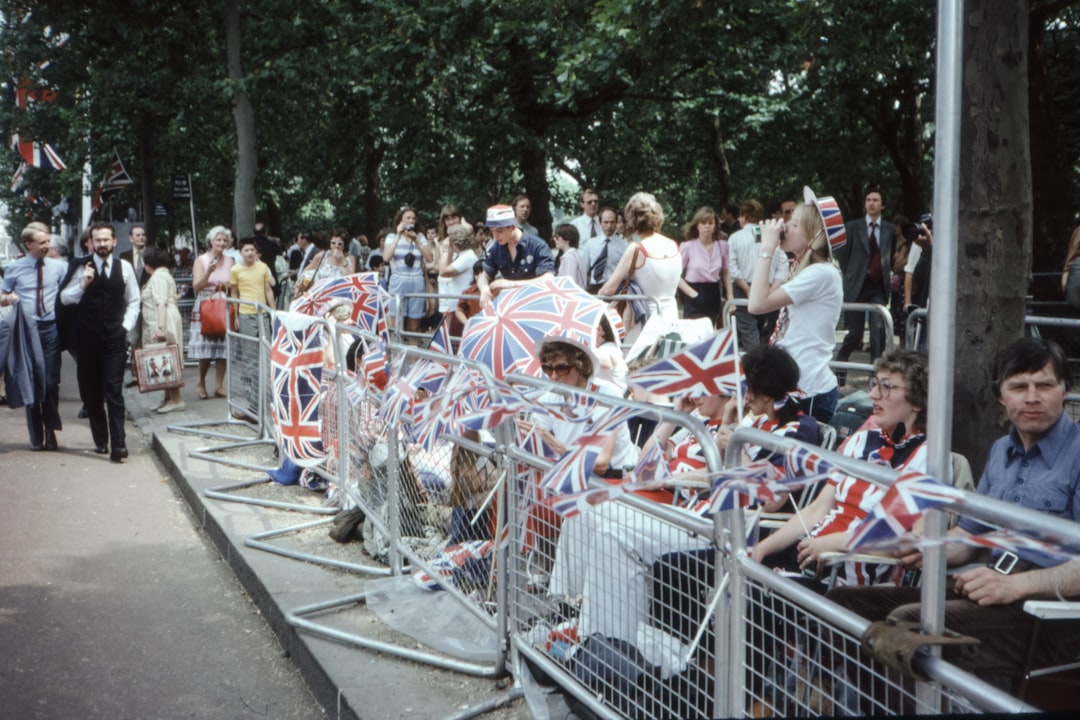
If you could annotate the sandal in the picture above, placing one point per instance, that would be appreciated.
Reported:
(202, 393)
(220, 393)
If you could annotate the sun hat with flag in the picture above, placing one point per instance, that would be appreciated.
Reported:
(830, 217)
(500, 216)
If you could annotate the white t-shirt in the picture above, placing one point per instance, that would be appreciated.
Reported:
(807, 327)
(458, 284)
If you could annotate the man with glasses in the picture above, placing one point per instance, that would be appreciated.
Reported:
(1034, 466)
(588, 223)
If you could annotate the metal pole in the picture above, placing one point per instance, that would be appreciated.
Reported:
(942, 305)
(191, 206)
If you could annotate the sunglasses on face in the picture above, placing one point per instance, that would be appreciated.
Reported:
(560, 369)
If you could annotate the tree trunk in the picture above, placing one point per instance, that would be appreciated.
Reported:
(994, 248)
(534, 171)
(373, 156)
(1054, 205)
(244, 119)
(720, 163)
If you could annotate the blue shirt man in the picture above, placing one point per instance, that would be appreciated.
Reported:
(516, 257)
(34, 282)
(1034, 466)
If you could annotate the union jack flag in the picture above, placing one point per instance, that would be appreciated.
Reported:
(115, 178)
(368, 299)
(296, 362)
(576, 503)
(759, 482)
(17, 178)
(652, 468)
(708, 368)
(571, 473)
(906, 500)
(503, 336)
(468, 562)
(440, 341)
(35, 154)
(1040, 552)
(375, 365)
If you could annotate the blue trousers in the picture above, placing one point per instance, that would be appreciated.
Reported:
(45, 415)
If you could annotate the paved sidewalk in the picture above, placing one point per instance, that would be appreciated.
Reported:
(115, 605)
(112, 603)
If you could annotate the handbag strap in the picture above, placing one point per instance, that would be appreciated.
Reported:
(630, 273)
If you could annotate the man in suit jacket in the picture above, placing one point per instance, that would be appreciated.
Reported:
(137, 236)
(866, 265)
(107, 297)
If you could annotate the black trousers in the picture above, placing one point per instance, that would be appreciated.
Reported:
(101, 384)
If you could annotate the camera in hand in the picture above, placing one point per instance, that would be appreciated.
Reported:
(913, 230)
(411, 227)
(410, 259)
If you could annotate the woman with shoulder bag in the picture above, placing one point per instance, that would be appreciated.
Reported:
(209, 277)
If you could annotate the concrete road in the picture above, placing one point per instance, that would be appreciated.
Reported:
(112, 604)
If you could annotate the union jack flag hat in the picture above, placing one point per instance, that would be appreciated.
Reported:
(830, 217)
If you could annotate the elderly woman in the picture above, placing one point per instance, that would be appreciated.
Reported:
(161, 322)
(209, 276)
(898, 390)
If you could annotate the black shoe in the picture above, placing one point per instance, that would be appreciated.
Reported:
(131, 383)
(102, 449)
(118, 454)
(36, 447)
(50, 440)
(82, 413)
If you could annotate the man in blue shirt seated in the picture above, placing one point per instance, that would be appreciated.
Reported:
(1034, 466)
(516, 257)
(33, 282)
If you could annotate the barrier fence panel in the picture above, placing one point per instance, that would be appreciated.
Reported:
(248, 389)
(614, 603)
(416, 515)
(804, 655)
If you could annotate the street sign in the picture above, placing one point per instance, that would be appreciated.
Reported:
(181, 187)
(160, 210)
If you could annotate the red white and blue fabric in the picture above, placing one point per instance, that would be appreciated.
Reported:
(296, 366)
(503, 335)
(906, 500)
(441, 341)
(570, 474)
(36, 154)
(708, 368)
(468, 563)
(757, 482)
(368, 299)
(830, 216)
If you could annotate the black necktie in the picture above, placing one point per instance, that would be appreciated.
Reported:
(600, 265)
(875, 255)
(592, 228)
(40, 289)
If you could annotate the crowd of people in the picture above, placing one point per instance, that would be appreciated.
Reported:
(794, 270)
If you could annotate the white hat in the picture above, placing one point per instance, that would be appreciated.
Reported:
(500, 216)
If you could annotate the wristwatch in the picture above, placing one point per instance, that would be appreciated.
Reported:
(1005, 563)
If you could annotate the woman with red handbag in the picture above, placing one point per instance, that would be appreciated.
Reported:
(210, 280)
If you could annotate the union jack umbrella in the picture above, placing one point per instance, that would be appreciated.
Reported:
(368, 299)
(296, 366)
(468, 562)
(708, 368)
(503, 335)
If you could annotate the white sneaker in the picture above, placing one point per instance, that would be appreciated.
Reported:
(169, 407)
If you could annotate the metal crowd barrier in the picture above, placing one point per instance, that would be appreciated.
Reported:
(813, 662)
(614, 604)
(406, 493)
